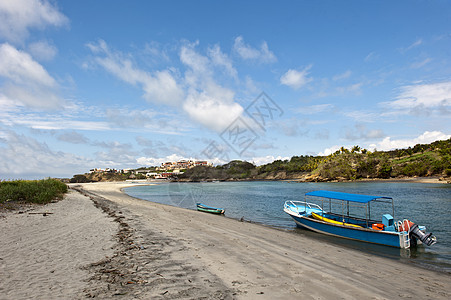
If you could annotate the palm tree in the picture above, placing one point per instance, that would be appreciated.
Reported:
(355, 149)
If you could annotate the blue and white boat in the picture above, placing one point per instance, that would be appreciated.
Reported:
(213, 210)
(335, 213)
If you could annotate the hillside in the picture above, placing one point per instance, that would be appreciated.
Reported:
(345, 164)
(421, 160)
(105, 176)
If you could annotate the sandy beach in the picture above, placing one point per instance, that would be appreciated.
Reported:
(99, 242)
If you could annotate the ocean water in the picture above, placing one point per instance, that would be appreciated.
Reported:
(262, 202)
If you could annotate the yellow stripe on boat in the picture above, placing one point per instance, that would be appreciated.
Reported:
(318, 217)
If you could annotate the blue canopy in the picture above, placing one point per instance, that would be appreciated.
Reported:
(345, 196)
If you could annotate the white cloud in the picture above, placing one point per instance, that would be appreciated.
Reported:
(351, 89)
(60, 123)
(213, 107)
(314, 109)
(296, 79)
(145, 120)
(362, 116)
(199, 64)
(360, 132)
(420, 64)
(424, 95)
(201, 98)
(160, 87)
(251, 86)
(294, 126)
(426, 138)
(415, 44)
(342, 76)
(20, 67)
(221, 59)
(25, 157)
(207, 102)
(73, 137)
(27, 81)
(7, 106)
(42, 50)
(71, 116)
(116, 154)
(18, 16)
(390, 144)
(151, 161)
(247, 52)
(371, 56)
(267, 159)
(156, 53)
(34, 96)
(330, 150)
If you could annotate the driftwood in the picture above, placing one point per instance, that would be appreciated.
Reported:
(40, 213)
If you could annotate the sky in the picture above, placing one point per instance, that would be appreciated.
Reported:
(127, 84)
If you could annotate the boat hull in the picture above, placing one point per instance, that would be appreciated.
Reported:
(208, 209)
(393, 239)
(211, 211)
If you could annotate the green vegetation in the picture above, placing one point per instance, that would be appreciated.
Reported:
(297, 164)
(421, 160)
(235, 169)
(34, 191)
(95, 177)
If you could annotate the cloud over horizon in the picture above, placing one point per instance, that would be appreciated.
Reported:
(423, 95)
(388, 143)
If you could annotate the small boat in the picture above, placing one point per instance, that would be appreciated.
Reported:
(341, 220)
(209, 209)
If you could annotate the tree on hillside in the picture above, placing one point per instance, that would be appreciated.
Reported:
(355, 149)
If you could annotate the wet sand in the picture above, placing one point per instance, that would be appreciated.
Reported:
(102, 243)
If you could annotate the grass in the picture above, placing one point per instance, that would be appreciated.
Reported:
(416, 156)
(32, 191)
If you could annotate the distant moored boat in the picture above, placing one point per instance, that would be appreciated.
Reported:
(209, 209)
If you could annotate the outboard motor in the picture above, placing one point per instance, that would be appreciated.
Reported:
(427, 239)
(414, 231)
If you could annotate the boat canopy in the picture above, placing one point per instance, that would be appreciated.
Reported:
(345, 196)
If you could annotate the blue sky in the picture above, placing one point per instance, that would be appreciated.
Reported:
(124, 84)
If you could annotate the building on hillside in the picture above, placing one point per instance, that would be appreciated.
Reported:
(183, 164)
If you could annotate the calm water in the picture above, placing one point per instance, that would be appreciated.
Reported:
(262, 202)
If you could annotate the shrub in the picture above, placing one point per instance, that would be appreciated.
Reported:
(79, 178)
(34, 191)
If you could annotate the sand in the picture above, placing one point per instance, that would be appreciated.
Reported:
(41, 257)
(105, 244)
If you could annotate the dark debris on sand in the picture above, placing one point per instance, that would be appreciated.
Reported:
(142, 268)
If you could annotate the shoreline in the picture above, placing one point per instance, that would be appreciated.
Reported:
(162, 252)
(427, 179)
(430, 180)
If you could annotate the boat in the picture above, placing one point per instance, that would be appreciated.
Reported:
(209, 209)
(349, 216)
